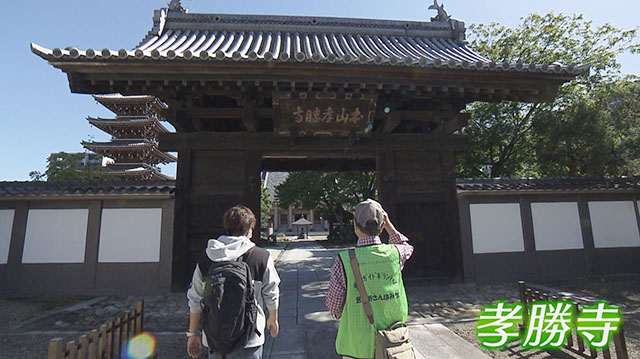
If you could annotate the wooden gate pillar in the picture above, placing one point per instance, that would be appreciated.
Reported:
(417, 189)
(208, 183)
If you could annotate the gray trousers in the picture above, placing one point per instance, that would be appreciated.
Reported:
(246, 353)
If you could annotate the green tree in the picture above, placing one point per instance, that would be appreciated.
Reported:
(333, 195)
(265, 207)
(64, 166)
(598, 136)
(507, 137)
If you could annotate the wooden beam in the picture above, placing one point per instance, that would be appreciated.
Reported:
(215, 112)
(274, 142)
(317, 164)
(227, 112)
(393, 119)
(456, 123)
(109, 76)
(391, 122)
(248, 115)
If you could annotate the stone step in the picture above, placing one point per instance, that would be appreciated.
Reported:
(435, 341)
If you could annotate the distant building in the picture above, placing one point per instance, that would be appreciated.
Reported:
(282, 218)
(80, 158)
(134, 131)
(84, 164)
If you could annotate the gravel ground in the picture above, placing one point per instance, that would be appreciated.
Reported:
(14, 311)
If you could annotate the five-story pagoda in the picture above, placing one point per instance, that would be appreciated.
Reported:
(134, 131)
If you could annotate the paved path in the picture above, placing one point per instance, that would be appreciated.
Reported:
(307, 330)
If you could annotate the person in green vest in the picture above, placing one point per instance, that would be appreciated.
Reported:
(380, 266)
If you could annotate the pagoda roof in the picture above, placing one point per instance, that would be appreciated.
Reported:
(126, 122)
(115, 101)
(129, 145)
(183, 37)
(137, 170)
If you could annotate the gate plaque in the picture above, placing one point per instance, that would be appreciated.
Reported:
(323, 113)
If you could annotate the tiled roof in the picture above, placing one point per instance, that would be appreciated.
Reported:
(118, 99)
(547, 184)
(124, 122)
(137, 170)
(84, 188)
(179, 36)
(274, 179)
(129, 145)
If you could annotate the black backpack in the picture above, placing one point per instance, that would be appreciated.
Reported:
(228, 308)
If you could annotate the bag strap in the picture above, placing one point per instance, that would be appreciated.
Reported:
(360, 284)
(204, 262)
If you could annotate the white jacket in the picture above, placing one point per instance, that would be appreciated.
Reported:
(229, 248)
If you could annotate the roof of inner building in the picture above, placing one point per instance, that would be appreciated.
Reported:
(274, 179)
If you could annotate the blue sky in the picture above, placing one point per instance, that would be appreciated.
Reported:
(39, 115)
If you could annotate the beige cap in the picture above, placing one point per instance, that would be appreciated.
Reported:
(369, 215)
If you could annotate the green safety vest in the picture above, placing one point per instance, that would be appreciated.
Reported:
(380, 268)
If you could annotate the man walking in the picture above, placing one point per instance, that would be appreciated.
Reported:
(239, 222)
(380, 265)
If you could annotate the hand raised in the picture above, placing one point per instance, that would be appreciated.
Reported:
(391, 229)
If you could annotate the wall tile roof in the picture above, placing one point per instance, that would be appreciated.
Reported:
(61, 188)
(81, 188)
(548, 183)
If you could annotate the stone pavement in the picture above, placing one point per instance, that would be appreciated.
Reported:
(308, 331)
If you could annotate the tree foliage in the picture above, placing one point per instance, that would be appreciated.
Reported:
(265, 207)
(599, 135)
(515, 138)
(333, 195)
(63, 166)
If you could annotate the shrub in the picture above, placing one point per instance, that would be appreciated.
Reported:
(344, 234)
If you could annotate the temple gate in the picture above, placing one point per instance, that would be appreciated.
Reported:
(293, 93)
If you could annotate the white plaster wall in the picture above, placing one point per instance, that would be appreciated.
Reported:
(55, 236)
(130, 235)
(614, 224)
(496, 227)
(556, 226)
(6, 225)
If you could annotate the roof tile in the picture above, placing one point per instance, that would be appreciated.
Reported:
(61, 188)
(178, 36)
(547, 183)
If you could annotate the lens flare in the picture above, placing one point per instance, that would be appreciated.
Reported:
(141, 346)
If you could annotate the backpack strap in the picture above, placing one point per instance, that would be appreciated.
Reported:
(204, 263)
(246, 254)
